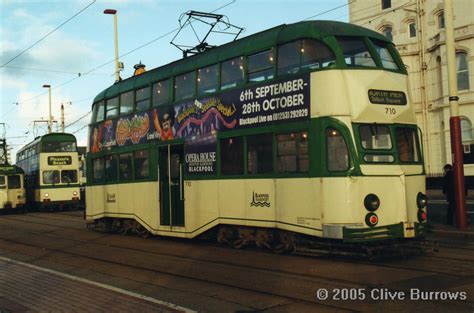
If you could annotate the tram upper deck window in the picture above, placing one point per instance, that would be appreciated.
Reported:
(292, 152)
(260, 66)
(232, 73)
(375, 137)
(161, 93)
(232, 156)
(384, 53)
(302, 54)
(355, 52)
(337, 153)
(126, 102)
(142, 99)
(112, 108)
(98, 113)
(207, 80)
(55, 146)
(407, 144)
(184, 86)
(260, 154)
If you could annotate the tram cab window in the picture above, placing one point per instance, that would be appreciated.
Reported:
(292, 152)
(98, 113)
(303, 54)
(407, 144)
(355, 52)
(384, 53)
(161, 93)
(232, 156)
(184, 86)
(2, 182)
(126, 102)
(112, 108)
(51, 177)
(260, 66)
(14, 182)
(111, 168)
(375, 137)
(232, 73)
(68, 176)
(125, 166)
(260, 154)
(142, 164)
(142, 99)
(207, 80)
(98, 169)
(337, 153)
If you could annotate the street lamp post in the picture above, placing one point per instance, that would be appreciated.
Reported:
(50, 119)
(455, 120)
(117, 67)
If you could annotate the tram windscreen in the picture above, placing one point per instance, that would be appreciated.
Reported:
(68, 176)
(374, 137)
(355, 52)
(407, 144)
(14, 182)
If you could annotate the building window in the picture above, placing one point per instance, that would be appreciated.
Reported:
(412, 29)
(386, 4)
(466, 130)
(463, 70)
(387, 31)
(440, 76)
(441, 20)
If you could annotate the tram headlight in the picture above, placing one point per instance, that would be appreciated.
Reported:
(74, 193)
(371, 202)
(421, 200)
(371, 219)
(46, 194)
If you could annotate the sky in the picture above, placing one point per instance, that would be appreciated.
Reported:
(69, 45)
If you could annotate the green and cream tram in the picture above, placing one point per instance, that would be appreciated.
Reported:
(12, 189)
(302, 129)
(51, 166)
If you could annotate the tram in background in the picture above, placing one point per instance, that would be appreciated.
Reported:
(12, 189)
(51, 166)
(302, 130)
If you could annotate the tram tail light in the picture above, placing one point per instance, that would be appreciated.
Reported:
(371, 219)
(422, 216)
(371, 202)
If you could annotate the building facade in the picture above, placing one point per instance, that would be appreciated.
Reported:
(417, 29)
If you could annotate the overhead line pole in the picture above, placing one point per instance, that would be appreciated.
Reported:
(455, 120)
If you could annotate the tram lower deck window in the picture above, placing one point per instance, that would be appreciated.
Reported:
(337, 153)
(292, 152)
(260, 154)
(232, 156)
(98, 170)
(14, 182)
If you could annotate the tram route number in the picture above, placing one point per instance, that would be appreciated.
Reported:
(390, 111)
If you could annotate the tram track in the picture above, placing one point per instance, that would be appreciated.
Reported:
(381, 264)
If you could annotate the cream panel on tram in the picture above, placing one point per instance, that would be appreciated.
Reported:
(145, 203)
(201, 205)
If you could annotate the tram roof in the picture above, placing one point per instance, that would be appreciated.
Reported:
(49, 138)
(244, 46)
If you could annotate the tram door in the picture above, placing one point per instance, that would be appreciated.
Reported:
(171, 168)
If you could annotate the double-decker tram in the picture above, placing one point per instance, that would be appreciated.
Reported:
(12, 189)
(51, 166)
(302, 131)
